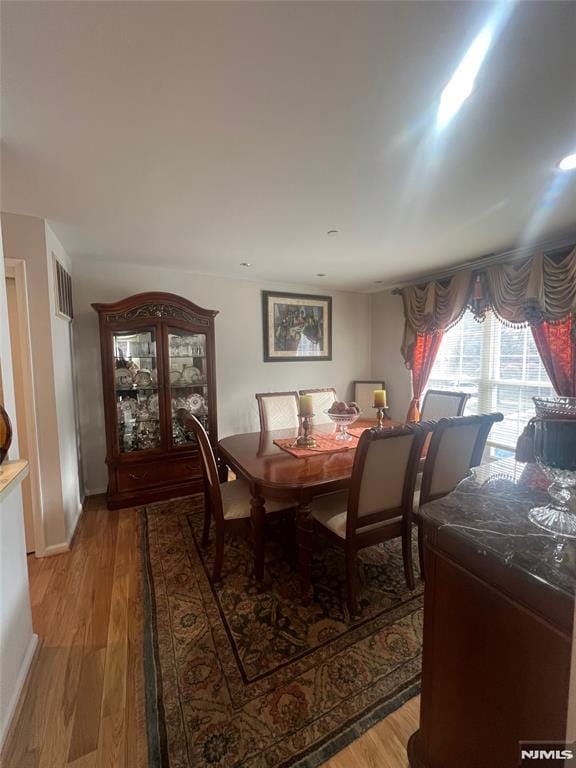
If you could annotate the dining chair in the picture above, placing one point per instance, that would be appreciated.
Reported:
(456, 445)
(322, 399)
(278, 410)
(378, 505)
(441, 404)
(227, 503)
(364, 396)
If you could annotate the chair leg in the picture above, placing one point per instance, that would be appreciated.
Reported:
(351, 581)
(258, 520)
(207, 518)
(407, 558)
(219, 554)
(421, 548)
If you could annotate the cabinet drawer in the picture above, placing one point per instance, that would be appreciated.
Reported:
(133, 477)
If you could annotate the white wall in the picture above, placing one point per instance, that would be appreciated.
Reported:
(64, 391)
(28, 238)
(17, 641)
(387, 361)
(239, 366)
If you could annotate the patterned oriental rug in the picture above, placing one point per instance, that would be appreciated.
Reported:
(239, 674)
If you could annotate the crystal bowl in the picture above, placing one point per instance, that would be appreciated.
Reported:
(555, 407)
(343, 420)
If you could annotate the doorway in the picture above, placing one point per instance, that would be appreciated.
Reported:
(17, 296)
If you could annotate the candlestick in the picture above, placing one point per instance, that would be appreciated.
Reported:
(380, 415)
(306, 440)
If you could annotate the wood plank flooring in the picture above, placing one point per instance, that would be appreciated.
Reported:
(84, 704)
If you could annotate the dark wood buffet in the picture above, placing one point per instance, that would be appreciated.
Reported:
(498, 614)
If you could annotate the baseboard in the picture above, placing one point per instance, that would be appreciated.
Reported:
(18, 693)
(95, 491)
(56, 549)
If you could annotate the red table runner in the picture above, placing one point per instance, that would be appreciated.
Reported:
(324, 444)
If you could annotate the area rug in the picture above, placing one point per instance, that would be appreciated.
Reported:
(242, 674)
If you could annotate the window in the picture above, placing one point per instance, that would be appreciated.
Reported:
(500, 367)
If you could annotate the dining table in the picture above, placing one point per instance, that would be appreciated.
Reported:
(273, 473)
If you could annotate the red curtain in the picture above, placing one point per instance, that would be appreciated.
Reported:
(424, 353)
(556, 344)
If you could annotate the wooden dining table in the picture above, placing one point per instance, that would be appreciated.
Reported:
(273, 473)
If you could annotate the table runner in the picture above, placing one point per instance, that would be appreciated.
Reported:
(324, 444)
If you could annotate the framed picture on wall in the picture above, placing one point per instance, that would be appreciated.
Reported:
(296, 327)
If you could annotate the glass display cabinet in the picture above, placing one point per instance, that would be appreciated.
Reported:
(157, 357)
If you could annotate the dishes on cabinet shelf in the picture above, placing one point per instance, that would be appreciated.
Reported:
(143, 378)
(123, 378)
(175, 376)
(191, 375)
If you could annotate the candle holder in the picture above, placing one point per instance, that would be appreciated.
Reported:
(380, 415)
(305, 440)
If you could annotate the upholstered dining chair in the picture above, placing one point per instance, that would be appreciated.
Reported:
(228, 504)
(322, 399)
(378, 504)
(441, 404)
(456, 445)
(278, 410)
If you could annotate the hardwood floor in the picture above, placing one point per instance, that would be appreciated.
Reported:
(84, 704)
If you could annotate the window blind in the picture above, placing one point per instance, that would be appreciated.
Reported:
(501, 369)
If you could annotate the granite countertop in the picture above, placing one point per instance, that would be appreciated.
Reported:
(490, 510)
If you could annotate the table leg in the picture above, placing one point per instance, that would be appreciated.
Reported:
(305, 527)
(258, 519)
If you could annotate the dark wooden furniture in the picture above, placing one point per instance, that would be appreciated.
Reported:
(228, 504)
(456, 445)
(440, 403)
(275, 474)
(498, 616)
(157, 356)
(384, 473)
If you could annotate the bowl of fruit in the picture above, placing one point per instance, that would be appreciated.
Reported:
(343, 414)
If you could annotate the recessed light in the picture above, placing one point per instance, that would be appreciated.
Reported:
(568, 163)
(320, 274)
(245, 264)
(332, 232)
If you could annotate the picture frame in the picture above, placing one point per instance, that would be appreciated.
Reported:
(296, 326)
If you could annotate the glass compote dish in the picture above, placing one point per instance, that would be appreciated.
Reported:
(555, 452)
(343, 420)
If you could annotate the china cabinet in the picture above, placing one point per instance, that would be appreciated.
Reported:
(157, 357)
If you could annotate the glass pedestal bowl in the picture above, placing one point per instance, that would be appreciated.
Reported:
(555, 452)
(343, 420)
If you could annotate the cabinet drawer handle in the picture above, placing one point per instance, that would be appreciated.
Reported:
(138, 477)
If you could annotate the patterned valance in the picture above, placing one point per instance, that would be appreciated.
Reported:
(541, 288)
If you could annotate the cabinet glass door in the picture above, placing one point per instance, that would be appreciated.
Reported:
(188, 381)
(136, 389)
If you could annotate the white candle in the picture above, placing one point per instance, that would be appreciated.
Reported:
(380, 398)
(306, 405)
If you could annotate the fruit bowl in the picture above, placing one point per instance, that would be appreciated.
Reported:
(343, 420)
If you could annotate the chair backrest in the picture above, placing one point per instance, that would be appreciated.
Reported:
(457, 444)
(322, 399)
(209, 467)
(383, 476)
(440, 404)
(278, 410)
(364, 396)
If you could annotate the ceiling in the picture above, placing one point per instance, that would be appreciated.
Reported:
(198, 135)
